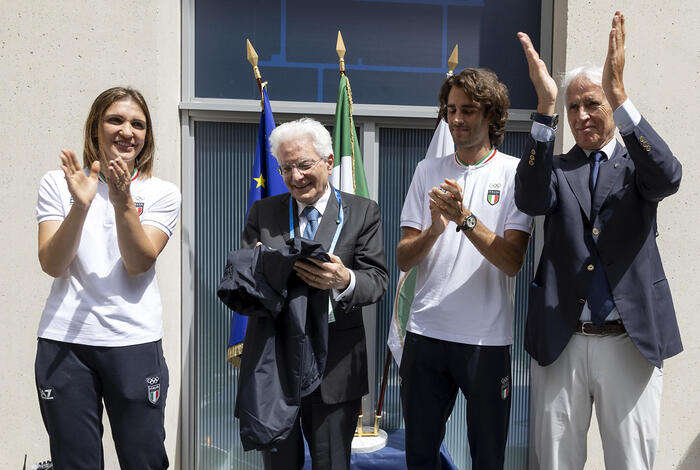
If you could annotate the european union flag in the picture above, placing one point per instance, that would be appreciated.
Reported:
(266, 180)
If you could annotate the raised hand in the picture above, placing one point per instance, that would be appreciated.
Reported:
(545, 86)
(81, 186)
(119, 181)
(613, 85)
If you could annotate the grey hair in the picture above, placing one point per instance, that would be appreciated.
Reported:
(592, 73)
(304, 127)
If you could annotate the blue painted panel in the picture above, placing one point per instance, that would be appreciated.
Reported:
(397, 50)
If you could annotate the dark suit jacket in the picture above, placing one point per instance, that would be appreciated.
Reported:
(620, 224)
(361, 249)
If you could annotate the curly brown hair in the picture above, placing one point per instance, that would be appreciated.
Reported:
(482, 87)
(91, 147)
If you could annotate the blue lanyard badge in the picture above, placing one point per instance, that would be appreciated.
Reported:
(336, 235)
(341, 218)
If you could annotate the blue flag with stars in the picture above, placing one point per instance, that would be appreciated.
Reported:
(266, 180)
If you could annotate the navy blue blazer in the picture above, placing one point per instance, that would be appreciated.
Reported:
(620, 223)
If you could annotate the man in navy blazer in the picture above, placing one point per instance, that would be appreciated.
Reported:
(600, 318)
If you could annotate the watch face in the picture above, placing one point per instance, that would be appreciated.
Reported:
(470, 222)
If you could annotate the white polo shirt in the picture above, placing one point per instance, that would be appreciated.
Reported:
(460, 296)
(96, 302)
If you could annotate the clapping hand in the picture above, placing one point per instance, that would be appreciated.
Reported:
(81, 186)
(545, 86)
(119, 181)
(613, 86)
(446, 204)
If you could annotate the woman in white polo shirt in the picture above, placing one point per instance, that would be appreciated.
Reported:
(102, 225)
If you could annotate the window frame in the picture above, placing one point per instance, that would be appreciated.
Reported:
(369, 117)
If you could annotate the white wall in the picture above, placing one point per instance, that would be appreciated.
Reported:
(55, 58)
(661, 77)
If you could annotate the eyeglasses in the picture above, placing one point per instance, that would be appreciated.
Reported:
(303, 167)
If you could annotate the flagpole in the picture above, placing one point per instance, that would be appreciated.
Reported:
(452, 65)
(340, 50)
(252, 57)
(234, 351)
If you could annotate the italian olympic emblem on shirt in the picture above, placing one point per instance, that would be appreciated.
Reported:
(138, 202)
(493, 195)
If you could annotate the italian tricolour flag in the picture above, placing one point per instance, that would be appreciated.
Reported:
(348, 170)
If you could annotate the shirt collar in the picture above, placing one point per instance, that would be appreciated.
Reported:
(320, 205)
(608, 149)
(481, 163)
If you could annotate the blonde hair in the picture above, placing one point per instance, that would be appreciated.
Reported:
(91, 147)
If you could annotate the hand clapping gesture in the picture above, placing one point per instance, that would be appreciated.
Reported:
(545, 86)
(445, 205)
(81, 186)
(118, 181)
(615, 63)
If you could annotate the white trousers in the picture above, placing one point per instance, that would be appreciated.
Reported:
(607, 371)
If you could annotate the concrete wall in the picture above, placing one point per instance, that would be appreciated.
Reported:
(56, 57)
(661, 77)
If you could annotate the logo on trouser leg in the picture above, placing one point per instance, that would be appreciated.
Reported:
(153, 387)
(505, 387)
(46, 393)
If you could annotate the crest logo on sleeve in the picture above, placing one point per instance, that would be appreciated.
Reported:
(153, 386)
(493, 195)
(505, 387)
(46, 394)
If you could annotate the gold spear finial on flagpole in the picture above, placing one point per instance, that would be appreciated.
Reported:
(252, 57)
(340, 49)
(453, 60)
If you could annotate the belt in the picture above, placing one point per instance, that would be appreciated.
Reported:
(608, 328)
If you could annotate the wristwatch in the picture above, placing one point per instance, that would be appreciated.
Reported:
(545, 119)
(468, 224)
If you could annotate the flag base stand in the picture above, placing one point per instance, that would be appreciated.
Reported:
(368, 438)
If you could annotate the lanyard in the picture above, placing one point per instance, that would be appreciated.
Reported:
(337, 229)
(331, 314)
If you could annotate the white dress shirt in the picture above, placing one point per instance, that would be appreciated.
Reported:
(320, 206)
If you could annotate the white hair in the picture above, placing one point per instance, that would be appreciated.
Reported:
(592, 73)
(304, 127)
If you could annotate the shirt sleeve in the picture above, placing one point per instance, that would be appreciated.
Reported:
(542, 133)
(626, 117)
(49, 205)
(337, 295)
(414, 204)
(163, 213)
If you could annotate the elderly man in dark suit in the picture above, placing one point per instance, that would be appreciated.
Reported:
(355, 276)
(601, 319)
